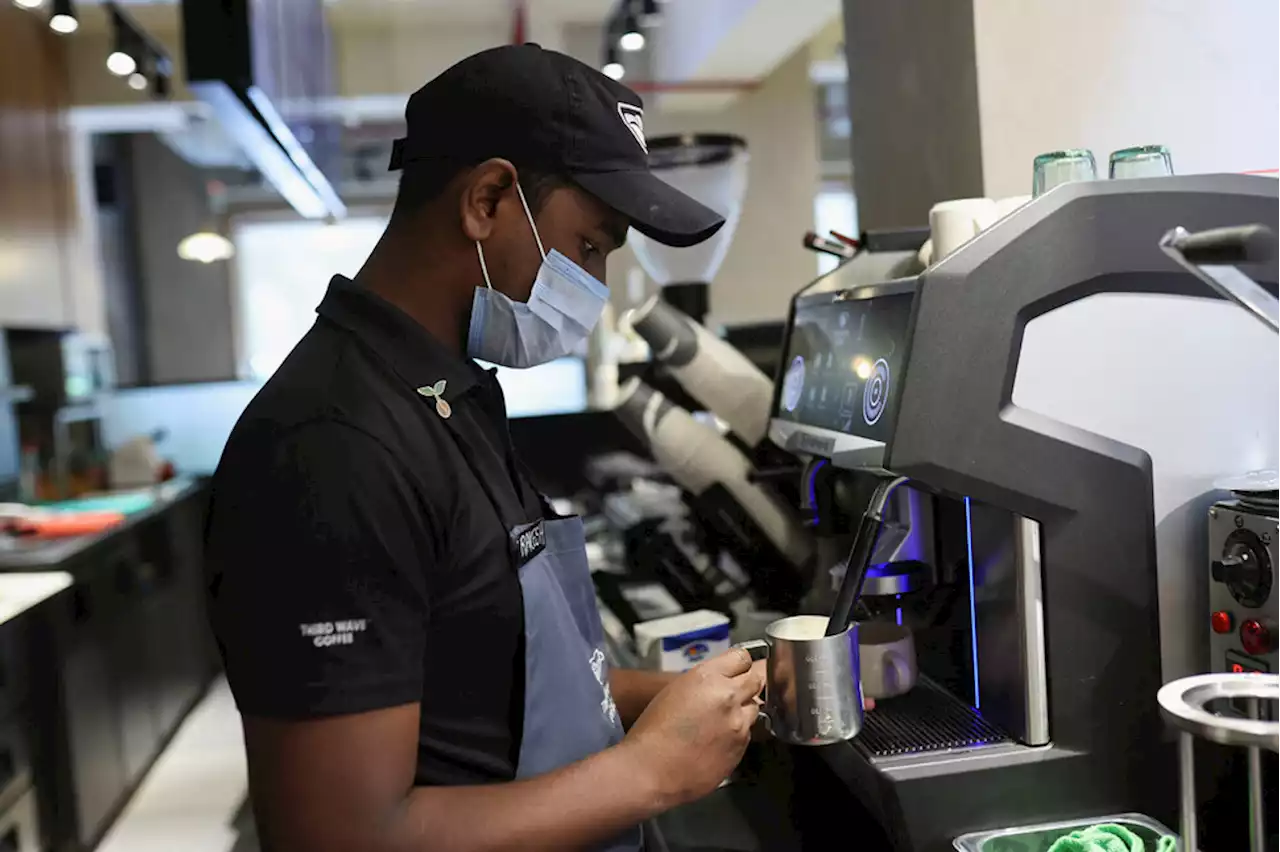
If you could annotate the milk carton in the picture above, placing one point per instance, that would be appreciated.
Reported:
(677, 643)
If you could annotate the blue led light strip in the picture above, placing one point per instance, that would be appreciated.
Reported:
(813, 489)
(973, 610)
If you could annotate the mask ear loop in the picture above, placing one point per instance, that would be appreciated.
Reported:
(529, 216)
(484, 270)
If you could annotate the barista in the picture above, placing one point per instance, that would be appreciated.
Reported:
(408, 629)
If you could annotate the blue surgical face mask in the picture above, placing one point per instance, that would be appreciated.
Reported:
(563, 307)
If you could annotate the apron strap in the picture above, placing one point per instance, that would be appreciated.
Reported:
(527, 475)
(505, 514)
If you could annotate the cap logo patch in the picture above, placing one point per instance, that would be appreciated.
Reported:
(633, 117)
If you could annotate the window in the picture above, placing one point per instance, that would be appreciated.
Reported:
(282, 272)
(834, 209)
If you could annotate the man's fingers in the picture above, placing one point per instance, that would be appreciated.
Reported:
(734, 662)
(751, 683)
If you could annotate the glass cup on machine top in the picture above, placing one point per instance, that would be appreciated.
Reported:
(1142, 161)
(1058, 167)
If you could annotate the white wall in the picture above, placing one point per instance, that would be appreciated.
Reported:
(388, 60)
(766, 263)
(1197, 77)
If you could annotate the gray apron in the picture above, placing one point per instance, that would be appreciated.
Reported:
(569, 712)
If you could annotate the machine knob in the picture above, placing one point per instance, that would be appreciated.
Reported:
(1245, 569)
(1234, 568)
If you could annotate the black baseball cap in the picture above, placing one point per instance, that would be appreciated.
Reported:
(549, 111)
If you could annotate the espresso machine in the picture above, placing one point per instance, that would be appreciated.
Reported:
(1054, 402)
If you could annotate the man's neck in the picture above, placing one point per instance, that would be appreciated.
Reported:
(424, 291)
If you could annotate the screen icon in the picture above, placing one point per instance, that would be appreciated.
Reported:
(847, 397)
(875, 393)
(793, 384)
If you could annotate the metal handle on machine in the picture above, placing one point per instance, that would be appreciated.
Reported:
(864, 544)
(1185, 704)
(1211, 256)
(1240, 244)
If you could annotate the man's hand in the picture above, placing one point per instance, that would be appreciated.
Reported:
(695, 731)
(633, 689)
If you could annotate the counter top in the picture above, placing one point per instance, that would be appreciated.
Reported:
(32, 555)
(21, 592)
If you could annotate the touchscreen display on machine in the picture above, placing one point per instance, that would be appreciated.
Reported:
(842, 364)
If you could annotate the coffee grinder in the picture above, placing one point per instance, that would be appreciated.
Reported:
(710, 168)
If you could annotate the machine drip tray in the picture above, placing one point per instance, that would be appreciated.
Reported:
(926, 719)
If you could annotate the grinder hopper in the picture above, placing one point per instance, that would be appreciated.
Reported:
(711, 168)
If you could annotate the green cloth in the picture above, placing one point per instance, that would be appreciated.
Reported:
(1109, 838)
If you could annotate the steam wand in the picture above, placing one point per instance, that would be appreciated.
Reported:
(864, 545)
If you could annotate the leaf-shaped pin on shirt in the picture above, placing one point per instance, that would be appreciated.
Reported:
(436, 392)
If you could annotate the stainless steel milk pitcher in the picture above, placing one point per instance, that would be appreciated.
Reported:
(813, 694)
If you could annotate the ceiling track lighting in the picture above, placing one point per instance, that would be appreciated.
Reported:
(632, 38)
(160, 86)
(135, 56)
(612, 68)
(140, 79)
(123, 59)
(63, 19)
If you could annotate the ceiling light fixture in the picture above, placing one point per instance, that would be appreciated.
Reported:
(28, 4)
(632, 38)
(123, 60)
(140, 79)
(63, 20)
(208, 245)
(121, 64)
(612, 68)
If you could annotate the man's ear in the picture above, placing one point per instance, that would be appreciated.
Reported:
(484, 186)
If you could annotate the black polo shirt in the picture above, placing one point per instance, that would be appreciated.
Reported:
(355, 556)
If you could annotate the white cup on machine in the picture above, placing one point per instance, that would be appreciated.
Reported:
(888, 656)
(1005, 206)
(953, 223)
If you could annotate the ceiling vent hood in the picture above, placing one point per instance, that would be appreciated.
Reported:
(259, 64)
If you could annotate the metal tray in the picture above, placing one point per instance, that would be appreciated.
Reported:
(1038, 838)
(926, 719)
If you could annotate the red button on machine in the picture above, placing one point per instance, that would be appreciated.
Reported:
(1256, 637)
(1221, 621)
